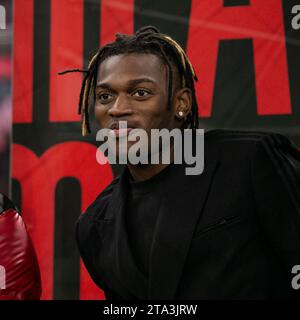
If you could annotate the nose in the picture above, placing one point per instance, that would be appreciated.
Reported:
(121, 107)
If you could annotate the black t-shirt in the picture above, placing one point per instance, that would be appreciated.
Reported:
(142, 208)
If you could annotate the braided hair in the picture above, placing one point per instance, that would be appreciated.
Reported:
(146, 40)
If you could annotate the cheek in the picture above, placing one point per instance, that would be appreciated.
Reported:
(101, 117)
(160, 118)
(156, 113)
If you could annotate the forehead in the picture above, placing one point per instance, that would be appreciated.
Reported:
(130, 66)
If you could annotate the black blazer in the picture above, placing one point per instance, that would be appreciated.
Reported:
(233, 233)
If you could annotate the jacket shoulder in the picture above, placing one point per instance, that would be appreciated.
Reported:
(97, 209)
(236, 136)
(236, 147)
(237, 140)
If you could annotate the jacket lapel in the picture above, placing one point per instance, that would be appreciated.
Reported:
(181, 209)
(122, 262)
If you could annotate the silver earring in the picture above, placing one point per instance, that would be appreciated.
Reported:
(180, 113)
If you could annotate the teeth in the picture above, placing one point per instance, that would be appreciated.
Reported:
(120, 132)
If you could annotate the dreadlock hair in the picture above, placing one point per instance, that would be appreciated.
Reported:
(147, 39)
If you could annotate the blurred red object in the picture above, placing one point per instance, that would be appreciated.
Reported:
(19, 270)
(5, 67)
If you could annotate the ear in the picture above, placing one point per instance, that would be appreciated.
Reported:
(182, 103)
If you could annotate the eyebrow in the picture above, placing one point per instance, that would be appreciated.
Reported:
(130, 83)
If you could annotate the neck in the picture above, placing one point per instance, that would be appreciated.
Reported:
(145, 172)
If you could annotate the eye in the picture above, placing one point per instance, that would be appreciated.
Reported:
(141, 93)
(104, 97)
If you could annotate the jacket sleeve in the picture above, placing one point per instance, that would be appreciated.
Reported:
(275, 171)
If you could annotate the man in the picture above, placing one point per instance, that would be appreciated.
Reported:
(232, 232)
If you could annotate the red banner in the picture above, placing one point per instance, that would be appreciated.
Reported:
(246, 56)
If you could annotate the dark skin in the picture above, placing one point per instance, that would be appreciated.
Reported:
(133, 88)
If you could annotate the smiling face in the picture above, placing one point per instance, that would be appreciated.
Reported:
(133, 88)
